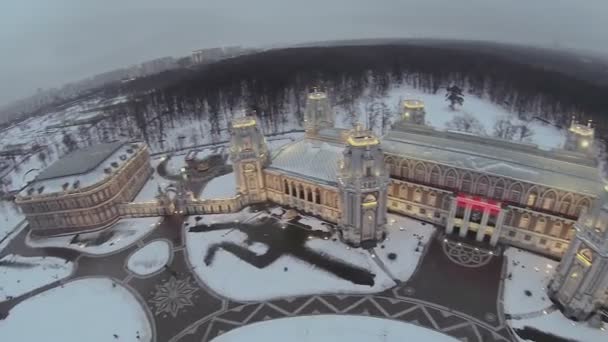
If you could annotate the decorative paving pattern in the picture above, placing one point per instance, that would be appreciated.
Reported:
(173, 295)
(409, 310)
(465, 255)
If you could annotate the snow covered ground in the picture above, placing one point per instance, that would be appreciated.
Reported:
(220, 187)
(407, 239)
(92, 310)
(531, 272)
(20, 275)
(10, 217)
(121, 235)
(287, 276)
(331, 328)
(150, 258)
(438, 114)
(149, 191)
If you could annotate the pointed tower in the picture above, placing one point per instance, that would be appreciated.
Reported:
(318, 113)
(413, 112)
(249, 155)
(362, 182)
(580, 283)
(580, 138)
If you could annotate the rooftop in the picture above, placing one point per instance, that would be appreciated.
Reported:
(413, 104)
(525, 162)
(309, 159)
(80, 161)
(245, 121)
(82, 168)
(317, 158)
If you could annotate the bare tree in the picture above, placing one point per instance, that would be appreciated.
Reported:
(505, 129)
(466, 123)
(524, 133)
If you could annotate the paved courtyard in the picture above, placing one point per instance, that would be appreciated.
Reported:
(455, 289)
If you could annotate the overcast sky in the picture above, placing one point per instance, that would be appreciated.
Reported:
(46, 43)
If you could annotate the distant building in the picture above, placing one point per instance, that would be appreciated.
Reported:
(215, 54)
(80, 192)
(157, 65)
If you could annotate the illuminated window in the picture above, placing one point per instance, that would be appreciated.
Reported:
(524, 221)
(556, 229)
(432, 199)
(403, 191)
(417, 195)
(541, 223)
(548, 201)
(531, 199)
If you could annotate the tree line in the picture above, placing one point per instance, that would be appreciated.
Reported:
(274, 84)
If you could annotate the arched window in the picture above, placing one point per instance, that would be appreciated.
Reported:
(515, 193)
(435, 175)
(317, 196)
(582, 207)
(499, 189)
(390, 165)
(417, 195)
(541, 223)
(482, 186)
(403, 191)
(404, 169)
(524, 221)
(548, 200)
(556, 229)
(450, 179)
(420, 173)
(432, 199)
(286, 187)
(565, 204)
(308, 195)
(466, 183)
(301, 191)
(532, 196)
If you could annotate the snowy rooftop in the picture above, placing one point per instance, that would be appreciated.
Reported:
(82, 168)
(310, 159)
(518, 161)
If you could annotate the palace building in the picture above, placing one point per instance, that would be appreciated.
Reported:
(81, 191)
(484, 189)
(478, 187)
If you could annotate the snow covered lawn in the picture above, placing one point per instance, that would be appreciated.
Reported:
(112, 239)
(286, 276)
(92, 310)
(220, 187)
(438, 114)
(20, 275)
(407, 239)
(149, 191)
(10, 217)
(331, 328)
(150, 258)
(531, 272)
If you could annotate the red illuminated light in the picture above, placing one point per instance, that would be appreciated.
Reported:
(477, 203)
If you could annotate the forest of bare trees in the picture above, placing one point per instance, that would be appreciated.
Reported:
(274, 84)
